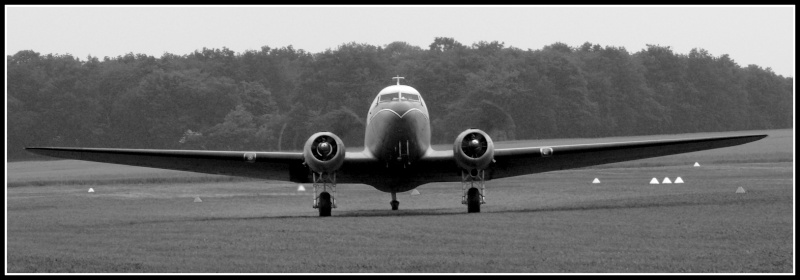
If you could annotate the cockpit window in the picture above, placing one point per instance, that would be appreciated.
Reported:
(410, 97)
(402, 97)
(388, 97)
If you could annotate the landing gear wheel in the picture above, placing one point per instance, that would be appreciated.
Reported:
(473, 201)
(324, 205)
(395, 204)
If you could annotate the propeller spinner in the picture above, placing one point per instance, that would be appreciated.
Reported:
(323, 150)
(474, 145)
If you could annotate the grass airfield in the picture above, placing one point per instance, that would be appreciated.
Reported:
(145, 220)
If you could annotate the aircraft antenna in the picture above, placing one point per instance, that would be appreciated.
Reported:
(398, 79)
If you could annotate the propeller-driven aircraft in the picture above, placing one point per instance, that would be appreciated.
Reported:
(397, 155)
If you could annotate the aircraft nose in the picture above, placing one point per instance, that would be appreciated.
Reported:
(398, 114)
(401, 108)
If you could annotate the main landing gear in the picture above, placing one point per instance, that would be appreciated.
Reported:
(473, 197)
(324, 201)
(395, 204)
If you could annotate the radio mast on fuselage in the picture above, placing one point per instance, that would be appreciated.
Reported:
(398, 79)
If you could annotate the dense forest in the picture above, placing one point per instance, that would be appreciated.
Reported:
(275, 98)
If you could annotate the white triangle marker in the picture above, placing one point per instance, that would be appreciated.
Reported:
(415, 192)
(654, 181)
(740, 190)
(197, 199)
(679, 181)
(596, 181)
(91, 190)
(696, 164)
(301, 188)
(666, 181)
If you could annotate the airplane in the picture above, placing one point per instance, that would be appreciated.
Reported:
(397, 155)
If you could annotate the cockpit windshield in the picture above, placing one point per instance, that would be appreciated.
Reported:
(388, 97)
(402, 97)
(409, 97)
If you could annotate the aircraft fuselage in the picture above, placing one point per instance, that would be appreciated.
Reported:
(398, 133)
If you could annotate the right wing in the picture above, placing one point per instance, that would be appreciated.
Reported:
(440, 166)
(530, 160)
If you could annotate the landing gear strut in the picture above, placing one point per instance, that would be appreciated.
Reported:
(395, 204)
(324, 201)
(473, 197)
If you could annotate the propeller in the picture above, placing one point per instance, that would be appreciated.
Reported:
(474, 145)
(323, 149)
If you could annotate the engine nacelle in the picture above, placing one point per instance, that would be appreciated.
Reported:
(324, 152)
(473, 150)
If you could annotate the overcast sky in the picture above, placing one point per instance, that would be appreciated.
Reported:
(762, 35)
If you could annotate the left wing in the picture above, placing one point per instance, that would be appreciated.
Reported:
(281, 166)
(265, 165)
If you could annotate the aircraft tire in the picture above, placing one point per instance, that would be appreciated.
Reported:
(324, 204)
(473, 201)
(395, 204)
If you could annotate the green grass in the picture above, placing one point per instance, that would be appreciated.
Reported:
(145, 221)
(547, 223)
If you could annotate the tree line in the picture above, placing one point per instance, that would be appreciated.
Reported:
(275, 98)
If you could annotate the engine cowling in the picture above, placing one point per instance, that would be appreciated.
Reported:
(324, 152)
(473, 150)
